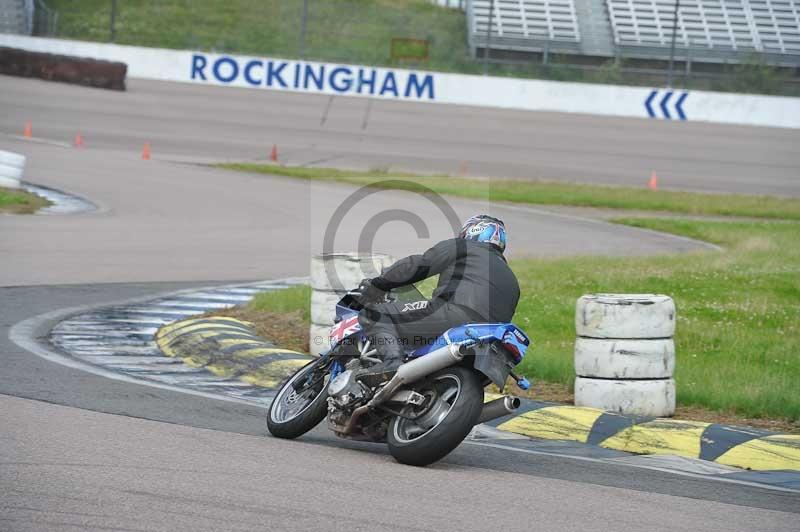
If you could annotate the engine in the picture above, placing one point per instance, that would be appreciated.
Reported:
(345, 392)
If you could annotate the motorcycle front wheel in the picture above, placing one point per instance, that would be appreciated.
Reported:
(429, 433)
(292, 413)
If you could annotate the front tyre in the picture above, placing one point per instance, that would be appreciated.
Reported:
(292, 413)
(439, 426)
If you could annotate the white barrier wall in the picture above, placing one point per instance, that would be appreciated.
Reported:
(400, 84)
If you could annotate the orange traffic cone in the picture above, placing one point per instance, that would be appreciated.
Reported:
(273, 155)
(146, 151)
(28, 130)
(653, 184)
(79, 141)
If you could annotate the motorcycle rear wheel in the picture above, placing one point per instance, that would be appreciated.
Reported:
(292, 414)
(443, 424)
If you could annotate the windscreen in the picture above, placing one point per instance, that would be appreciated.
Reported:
(406, 294)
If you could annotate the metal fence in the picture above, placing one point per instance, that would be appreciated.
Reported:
(45, 20)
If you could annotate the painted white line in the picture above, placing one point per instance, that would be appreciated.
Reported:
(172, 312)
(121, 321)
(124, 351)
(211, 296)
(95, 351)
(23, 335)
(209, 383)
(138, 361)
(178, 303)
(241, 291)
(162, 372)
(62, 202)
(100, 333)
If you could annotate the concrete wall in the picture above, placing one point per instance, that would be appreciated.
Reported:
(401, 84)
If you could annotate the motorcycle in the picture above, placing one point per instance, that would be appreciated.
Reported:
(429, 406)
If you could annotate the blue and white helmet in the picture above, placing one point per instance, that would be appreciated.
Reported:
(485, 228)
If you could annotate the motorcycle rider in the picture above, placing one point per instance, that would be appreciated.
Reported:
(475, 285)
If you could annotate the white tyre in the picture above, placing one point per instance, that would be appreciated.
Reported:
(625, 359)
(10, 158)
(643, 398)
(323, 306)
(7, 182)
(344, 271)
(628, 316)
(11, 172)
(319, 338)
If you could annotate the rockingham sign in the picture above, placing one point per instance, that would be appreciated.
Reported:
(274, 74)
(312, 77)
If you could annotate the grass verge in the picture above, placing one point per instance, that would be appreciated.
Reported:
(15, 201)
(282, 316)
(738, 329)
(350, 31)
(549, 193)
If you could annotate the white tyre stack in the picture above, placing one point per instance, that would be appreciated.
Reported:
(332, 275)
(12, 167)
(625, 353)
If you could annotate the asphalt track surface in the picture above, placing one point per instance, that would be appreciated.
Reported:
(161, 221)
(190, 121)
(78, 451)
(85, 452)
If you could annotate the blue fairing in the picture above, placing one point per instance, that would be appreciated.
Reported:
(511, 336)
(507, 333)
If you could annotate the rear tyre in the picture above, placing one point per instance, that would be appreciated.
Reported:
(441, 425)
(292, 414)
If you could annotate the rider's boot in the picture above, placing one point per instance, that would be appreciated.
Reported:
(390, 351)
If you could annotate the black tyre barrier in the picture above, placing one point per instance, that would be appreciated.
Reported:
(64, 68)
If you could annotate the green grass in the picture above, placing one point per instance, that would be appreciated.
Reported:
(288, 300)
(738, 326)
(20, 202)
(354, 31)
(550, 193)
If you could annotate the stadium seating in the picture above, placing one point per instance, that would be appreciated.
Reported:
(707, 30)
(524, 25)
(769, 26)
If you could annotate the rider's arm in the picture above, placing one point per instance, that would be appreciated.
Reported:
(418, 267)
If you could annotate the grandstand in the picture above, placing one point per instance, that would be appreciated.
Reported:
(524, 25)
(711, 31)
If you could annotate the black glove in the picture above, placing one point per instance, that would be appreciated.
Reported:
(367, 293)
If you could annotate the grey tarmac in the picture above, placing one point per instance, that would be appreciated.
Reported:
(195, 122)
(144, 475)
(153, 459)
(82, 452)
(164, 221)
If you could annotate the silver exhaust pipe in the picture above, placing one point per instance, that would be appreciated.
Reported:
(498, 408)
(420, 368)
(434, 361)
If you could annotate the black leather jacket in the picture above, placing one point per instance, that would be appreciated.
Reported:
(473, 275)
